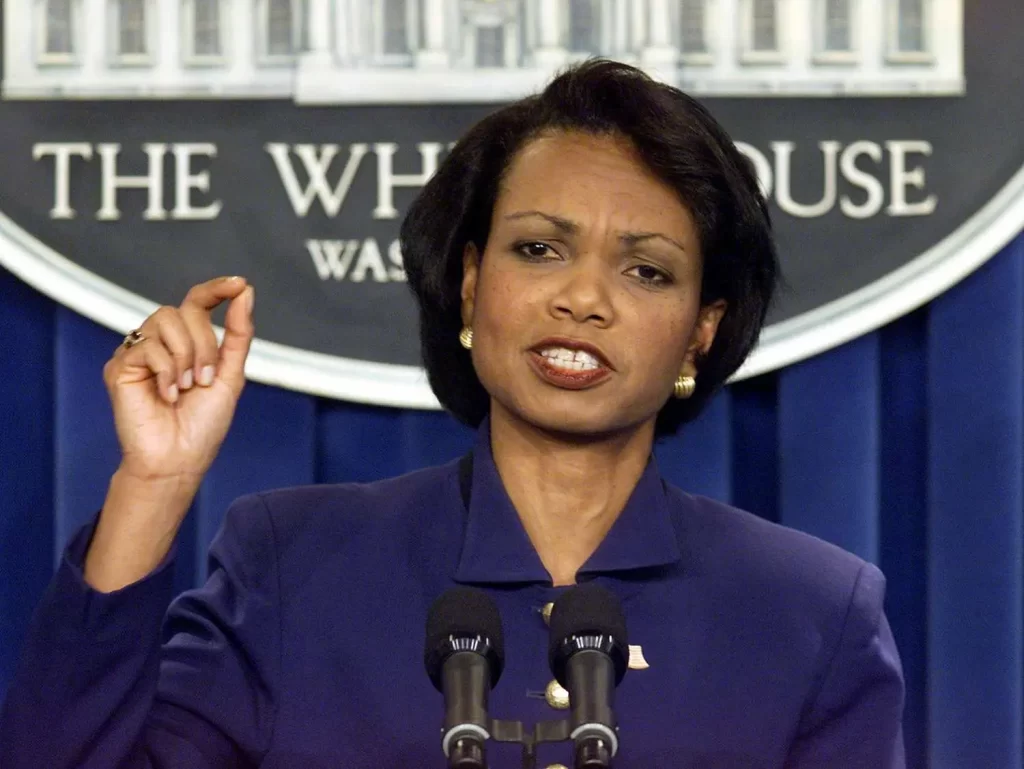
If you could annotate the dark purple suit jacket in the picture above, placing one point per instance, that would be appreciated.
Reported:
(767, 648)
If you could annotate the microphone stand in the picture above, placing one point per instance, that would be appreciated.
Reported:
(545, 731)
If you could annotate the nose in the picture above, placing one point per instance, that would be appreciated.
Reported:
(584, 294)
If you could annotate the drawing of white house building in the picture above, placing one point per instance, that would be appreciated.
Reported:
(416, 51)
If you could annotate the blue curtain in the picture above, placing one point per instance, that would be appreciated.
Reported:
(905, 446)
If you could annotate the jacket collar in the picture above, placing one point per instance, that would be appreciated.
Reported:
(496, 548)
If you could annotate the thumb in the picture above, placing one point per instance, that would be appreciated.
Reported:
(238, 333)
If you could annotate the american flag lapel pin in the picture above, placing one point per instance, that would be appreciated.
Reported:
(636, 658)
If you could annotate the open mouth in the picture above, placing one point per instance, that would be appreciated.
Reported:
(569, 367)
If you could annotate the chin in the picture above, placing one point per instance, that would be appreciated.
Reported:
(579, 424)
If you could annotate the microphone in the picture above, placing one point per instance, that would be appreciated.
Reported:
(589, 654)
(464, 655)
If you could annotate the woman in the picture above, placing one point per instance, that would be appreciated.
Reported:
(591, 265)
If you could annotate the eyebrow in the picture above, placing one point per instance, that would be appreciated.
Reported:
(570, 227)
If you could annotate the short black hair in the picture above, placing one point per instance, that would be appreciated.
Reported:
(678, 140)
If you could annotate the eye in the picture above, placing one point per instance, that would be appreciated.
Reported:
(535, 250)
(650, 274)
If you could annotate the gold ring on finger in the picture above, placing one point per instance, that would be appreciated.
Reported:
(132, 338)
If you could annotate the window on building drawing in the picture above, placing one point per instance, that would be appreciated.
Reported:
(692, 37)
(765, 34)
(910, 25)
(60, 30)
(838, 33)
(206, 36)
(282, 25)
(490, 46)
(131, 27)
(396, 26)
(585, 26)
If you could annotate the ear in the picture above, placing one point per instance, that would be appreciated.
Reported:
(470, 273)
(703, 336)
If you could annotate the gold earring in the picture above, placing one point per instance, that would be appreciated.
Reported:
(684, 386)
(466, 337)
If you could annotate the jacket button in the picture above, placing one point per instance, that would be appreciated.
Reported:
(557, 696)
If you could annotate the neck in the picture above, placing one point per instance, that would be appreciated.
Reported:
(568, 493)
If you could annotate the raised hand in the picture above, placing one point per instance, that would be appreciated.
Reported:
(173, 395)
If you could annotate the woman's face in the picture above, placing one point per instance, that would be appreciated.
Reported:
(585, 305)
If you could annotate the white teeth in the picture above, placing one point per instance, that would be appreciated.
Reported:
(571, 360)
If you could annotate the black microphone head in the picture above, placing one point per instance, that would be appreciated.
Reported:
(463, 619)
(588, 617)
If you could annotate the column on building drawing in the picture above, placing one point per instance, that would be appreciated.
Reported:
(948, 43)
(340, 24)
(318, 28)
(433, 50)
(637, 26)
(511, 44)
(550, 51)
(92, 38)
(660, 55)
(23, 45)
(868, 32)
(724, 42)
(795, 33)
(360, 25)
(467, 33)
(170, 54)
(239, 46)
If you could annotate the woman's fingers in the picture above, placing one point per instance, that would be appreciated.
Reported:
(238, 333)
(151, 359)
(164, 329)
(206, 296)
(229, 361)
(204, 345)
(180, 347)
(176, 336)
